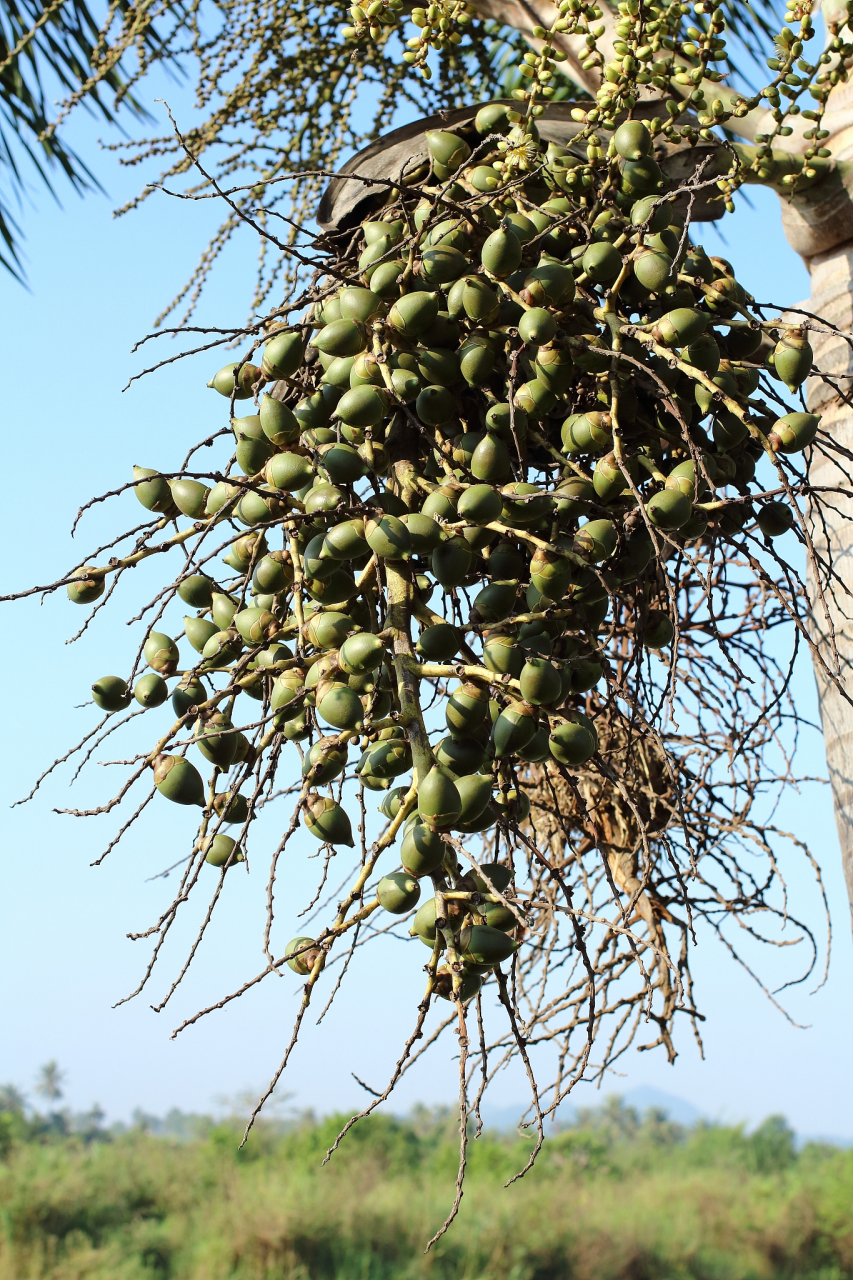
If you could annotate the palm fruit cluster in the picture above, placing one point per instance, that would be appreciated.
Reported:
(521, 393)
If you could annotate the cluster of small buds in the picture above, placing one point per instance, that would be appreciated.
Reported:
(372, 20)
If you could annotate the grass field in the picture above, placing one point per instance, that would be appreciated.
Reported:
(613, 1196)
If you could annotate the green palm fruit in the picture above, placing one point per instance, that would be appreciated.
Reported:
(669, 509)
(501, 252)
(388, 538)
(256, 625)
(479, 300)
(422, 850)
(477, 360)
(329, 630)
(680, 327)
(424, 533)
(507, 421)
(341, 463)
(178, 780)
(285, 698)
(703, 354)
(747, 378)
(374, 231)
(398, 892)
(506, 561)
(413, 313)
(774, 519)
(492, 118)
(587, 433)
(469, 985)
(698, 264)
(223, 609)
(252, 457)
(442, 264)
(231, 808)
(632, 140)
(359, 304)
(524, 504)
(384, 279)
(683, 476)
(259, 508)
(554, 368)
(573, 496)
(220, 496)
(540, 682)
(475, 792)
(499, 877)
(424, 926)
(641, 177)
(383, 762)
(326, 312)
(153, 491)
(463, 447)
(794, 432)
(338, 371)
(536, 398)
(495, 602)
(151, 690)
(645, 212)
(215, 740)
(361, 652)
(391, 802)
(189, 692)
(480, 504)
(652, 268)
(346, 541)
(513, 729)
(325, 761)
(435, 406)
(442, 503)
(705, 398)
(483, 178)
(439, 802)
(339, 706)
(283, 354)
(363, 406)
(728, 430)
(248, 548)
(483, 945)
(327, 820)
(574, 740)
(438, 643)
(451, 562)
(111, 693)
(229, 382)
(438, 367)
(197, 591)
(447, 150)
(536, 751)
(602, 262)
(550, 572)
(659, 630)
(296, 728)
(303, 953)
(161, 653)
(608, 479)
(459, 756)
(221, 650)
(372, 256)
(273, 573)
(537, 327)
(85, 587)
(742, 342)
(278, 422)
(595, 540)
(465, 709)
(490, 461)
(323, 497)
(550, 283)
(334, 591)
(222, 850)
(501, 654)
(340, 338)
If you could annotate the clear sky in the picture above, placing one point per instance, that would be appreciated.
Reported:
(95, 286)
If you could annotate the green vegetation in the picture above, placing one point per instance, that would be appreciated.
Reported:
(612, 1196)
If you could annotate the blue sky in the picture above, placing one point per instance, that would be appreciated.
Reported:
(96, 284)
